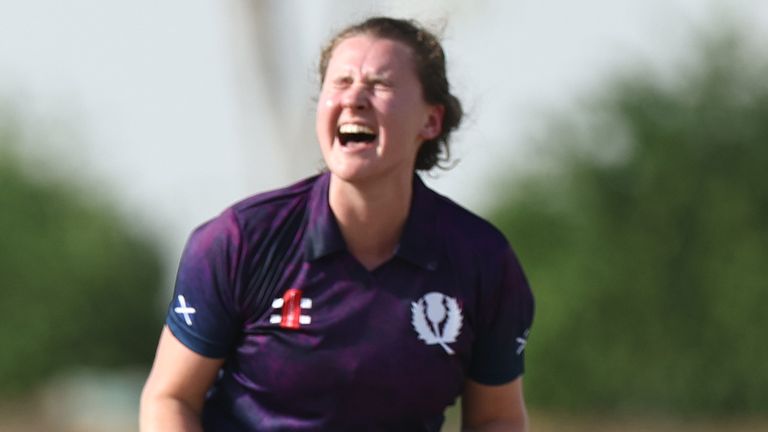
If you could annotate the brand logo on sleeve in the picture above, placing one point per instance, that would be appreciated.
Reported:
(522, 341)
(437, 319)
(291, 305)
(185, 310)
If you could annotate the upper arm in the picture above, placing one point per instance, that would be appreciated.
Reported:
(504, 317)
(492, 398)
(201, 324)
(180, 374)
(204, 313)
(494, 407)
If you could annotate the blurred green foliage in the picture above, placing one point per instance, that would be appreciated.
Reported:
(646, 243)
(77, 285)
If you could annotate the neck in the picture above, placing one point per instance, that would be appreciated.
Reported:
(371, 217)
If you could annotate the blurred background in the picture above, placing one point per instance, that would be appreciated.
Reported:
(621, 145)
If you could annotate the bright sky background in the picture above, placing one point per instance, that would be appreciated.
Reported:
(162, 104)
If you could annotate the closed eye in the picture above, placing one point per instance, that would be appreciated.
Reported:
(380, 84)
(344, 81)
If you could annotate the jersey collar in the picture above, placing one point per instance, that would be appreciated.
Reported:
(323, 234)
(418, 243)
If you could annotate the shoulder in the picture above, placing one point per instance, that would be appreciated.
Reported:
(462, 227)
(256, 213)
(475, 245)
(267, 205)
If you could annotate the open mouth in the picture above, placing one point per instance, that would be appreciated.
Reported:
(355, 133)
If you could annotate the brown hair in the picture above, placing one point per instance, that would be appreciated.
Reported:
(429, 60)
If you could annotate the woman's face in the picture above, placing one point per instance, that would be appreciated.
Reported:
(371, 114)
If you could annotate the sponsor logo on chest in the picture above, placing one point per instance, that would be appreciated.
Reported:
(291, 305)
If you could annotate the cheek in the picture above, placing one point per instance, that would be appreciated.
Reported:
(389, 110)
(401, 115)
(321, 125)
(325, 113)
(326, 118)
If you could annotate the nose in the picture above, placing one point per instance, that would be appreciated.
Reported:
(355, 97)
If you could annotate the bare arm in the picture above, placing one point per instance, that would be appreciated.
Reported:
(494, 408)
(172, 399)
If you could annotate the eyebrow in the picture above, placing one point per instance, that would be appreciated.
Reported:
(374, 77)
(378, 78)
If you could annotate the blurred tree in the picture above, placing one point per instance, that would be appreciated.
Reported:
(77, 285)
(647, 244)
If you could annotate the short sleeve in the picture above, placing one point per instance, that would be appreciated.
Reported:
(203, 311)
(498, 354)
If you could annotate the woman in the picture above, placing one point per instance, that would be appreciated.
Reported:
(358, 299)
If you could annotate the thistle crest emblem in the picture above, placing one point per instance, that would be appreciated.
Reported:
(437, 319)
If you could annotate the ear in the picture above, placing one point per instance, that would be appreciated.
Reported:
(433, 123)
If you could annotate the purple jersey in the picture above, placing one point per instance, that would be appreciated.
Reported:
(314, 341)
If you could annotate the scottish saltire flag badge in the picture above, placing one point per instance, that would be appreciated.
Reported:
(185, 310)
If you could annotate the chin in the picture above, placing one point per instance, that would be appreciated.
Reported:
(350, 174)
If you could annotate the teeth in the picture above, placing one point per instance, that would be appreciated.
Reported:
(351, 128)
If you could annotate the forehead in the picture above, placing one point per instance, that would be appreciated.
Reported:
(368, 54)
